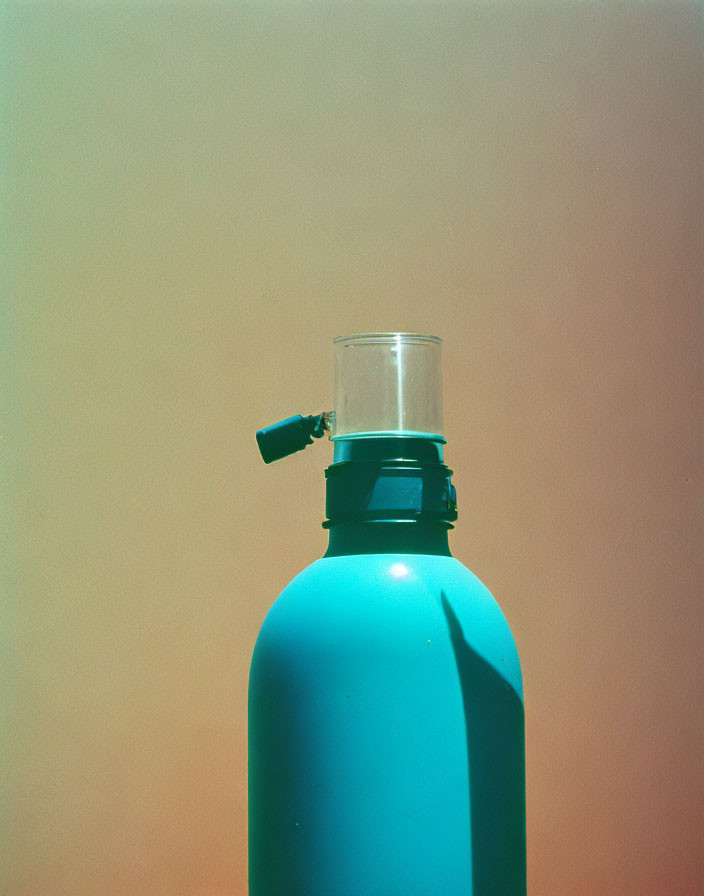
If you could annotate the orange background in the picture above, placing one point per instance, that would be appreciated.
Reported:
(202, 195)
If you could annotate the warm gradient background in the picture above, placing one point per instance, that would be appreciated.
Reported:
(201, 197)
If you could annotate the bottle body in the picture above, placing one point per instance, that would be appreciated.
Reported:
(386, 739)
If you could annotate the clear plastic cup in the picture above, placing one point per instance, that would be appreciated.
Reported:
(388, 384)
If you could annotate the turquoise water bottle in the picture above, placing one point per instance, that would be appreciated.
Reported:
(386, 725)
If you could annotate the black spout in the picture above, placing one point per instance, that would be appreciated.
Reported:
(290, 435)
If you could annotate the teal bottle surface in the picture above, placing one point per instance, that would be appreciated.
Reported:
(386, 723)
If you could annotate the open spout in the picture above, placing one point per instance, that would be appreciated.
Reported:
(386, 385)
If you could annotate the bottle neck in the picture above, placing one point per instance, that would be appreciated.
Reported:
(389, 495)
(389, 537)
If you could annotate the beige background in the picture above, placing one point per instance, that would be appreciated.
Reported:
(201, 197)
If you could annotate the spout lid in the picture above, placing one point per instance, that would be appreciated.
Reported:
(290, 435)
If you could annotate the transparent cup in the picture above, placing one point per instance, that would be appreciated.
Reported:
(388, 384)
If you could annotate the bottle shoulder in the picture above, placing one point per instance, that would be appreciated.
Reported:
(389, 600)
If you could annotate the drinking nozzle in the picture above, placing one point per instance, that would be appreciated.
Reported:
(386, 385)
(291, 435)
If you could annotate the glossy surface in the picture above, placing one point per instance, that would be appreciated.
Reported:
(386, 735)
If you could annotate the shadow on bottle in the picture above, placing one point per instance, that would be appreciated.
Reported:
(495, 723)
